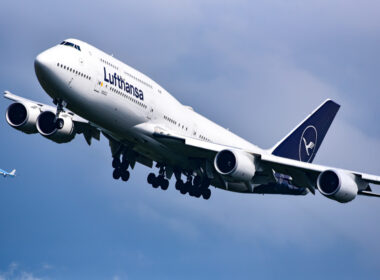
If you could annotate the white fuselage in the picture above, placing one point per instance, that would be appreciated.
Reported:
(117, 98)
(146, 124)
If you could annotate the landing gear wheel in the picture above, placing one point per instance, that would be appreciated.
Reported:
(116, 174)
(156, 183)
(192, 190)
(59, 123)
(125, 164)
(115, 162)
(206, 194)
(164, 184)
(178, 185)
(151, 178)
(184, 188)
(125, 176)
(197, 192)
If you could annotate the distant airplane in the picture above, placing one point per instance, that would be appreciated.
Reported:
(5, 173)
(147, 125)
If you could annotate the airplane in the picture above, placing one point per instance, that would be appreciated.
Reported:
(5, 173)
(94, 93)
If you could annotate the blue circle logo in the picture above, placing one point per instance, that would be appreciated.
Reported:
(308, 143)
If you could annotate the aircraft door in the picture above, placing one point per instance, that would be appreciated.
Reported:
(97, 86)
(194, 131)
(150, 113)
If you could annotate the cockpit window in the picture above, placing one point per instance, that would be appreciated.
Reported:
(71, 45)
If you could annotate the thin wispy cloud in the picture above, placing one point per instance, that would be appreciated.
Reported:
(16, 272)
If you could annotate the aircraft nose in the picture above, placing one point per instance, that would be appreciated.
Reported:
(41, 64)
(44, 66)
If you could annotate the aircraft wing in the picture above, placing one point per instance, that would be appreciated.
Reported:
(82, 125)
(302, 174)
(189, 146)
(306, 174)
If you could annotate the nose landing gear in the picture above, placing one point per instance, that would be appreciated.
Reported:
(60, 105)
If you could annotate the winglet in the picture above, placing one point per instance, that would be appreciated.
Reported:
(304, 141)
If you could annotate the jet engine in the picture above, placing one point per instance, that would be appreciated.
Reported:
(236, 165)
(23, 117)
(46, 126)
(337, 185)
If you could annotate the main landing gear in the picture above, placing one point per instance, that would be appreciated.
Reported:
(196, 186)
(60, 105)
(160, 180)
(120, 168)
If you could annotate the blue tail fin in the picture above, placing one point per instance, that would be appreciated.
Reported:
(304, 141)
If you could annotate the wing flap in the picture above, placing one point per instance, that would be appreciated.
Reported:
(367, 193)
(372, 179)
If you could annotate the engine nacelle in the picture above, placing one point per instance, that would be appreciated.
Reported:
(23, 117)
(337, 185)
(236, 165)
(46, 126)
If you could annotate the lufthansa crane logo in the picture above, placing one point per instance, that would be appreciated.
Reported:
(308, 143)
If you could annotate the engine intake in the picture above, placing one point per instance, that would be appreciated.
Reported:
(23, 117)
(235, 165)
(46, 126)
(337, 185)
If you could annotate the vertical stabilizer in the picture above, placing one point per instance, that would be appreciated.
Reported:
(304, 141)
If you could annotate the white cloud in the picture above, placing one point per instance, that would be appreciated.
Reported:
(15, 272)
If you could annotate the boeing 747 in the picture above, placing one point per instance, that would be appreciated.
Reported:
(94, 94)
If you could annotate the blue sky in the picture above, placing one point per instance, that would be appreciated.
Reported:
(256, 67)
